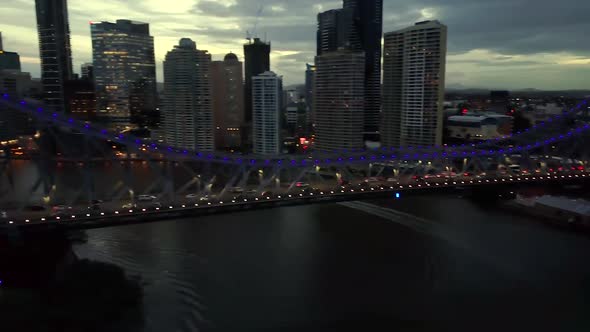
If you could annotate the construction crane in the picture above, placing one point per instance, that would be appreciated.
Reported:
(251, 35)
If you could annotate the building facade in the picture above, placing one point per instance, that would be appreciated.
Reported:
(266, 104)
(187, 107)
(8, 60)
(81, 98)
(339, 100)
(336, 30)
(124, 72)
(228, 102)
(55, 50)
(87, 72)
(13, 122)
(368, 26)
(413, 85)
(309, 89)
(479, 127)
(257, 61)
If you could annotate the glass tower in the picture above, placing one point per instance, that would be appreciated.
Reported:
(54, 48)
(124, 71)
(368, 27)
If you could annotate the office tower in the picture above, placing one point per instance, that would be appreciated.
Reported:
(413, 85)
(339, 100)
(54, 48)
(228, 102)
(124, 71)
(257, 61)
(368, 28)
(187, 110)
(87, 72)
(266, 124)
(336, 31)
(8, 60)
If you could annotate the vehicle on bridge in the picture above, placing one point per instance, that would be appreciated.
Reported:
(146, 198)
(236, 190)
(61, 210)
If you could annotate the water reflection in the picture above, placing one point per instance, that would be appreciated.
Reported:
(45, 287)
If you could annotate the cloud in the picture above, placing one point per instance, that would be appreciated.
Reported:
(511, 43)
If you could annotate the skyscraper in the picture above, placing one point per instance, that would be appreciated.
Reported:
(55, 50)
(309, 92)
(228, 102)
(266, 96)
(368, 26)
(124, 71)
(188, 116)
(413, 85)
(339, 100)
(257, 61)
(336, 30)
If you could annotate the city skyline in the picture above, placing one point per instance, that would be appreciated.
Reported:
(490, 45)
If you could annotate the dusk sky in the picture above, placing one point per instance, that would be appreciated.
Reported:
(492, 44)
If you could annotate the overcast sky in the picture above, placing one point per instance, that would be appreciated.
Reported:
(492, 43)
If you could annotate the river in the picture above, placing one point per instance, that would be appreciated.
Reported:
(417, 263)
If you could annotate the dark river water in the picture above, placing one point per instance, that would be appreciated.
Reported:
(417, 263)
(358, 265)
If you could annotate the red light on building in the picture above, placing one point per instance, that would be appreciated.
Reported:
(302, 140)
(464, 111)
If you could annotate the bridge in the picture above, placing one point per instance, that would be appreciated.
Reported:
(80, 175)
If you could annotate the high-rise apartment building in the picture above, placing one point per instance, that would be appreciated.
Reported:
(228, 102)
(54, 48)
(266, 124)
(339, 100)
(257, 61)
(413, 85)
(124, 71)
(187, 109)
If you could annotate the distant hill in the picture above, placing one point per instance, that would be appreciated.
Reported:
(529, 92)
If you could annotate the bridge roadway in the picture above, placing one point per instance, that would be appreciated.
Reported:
(109, 216)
